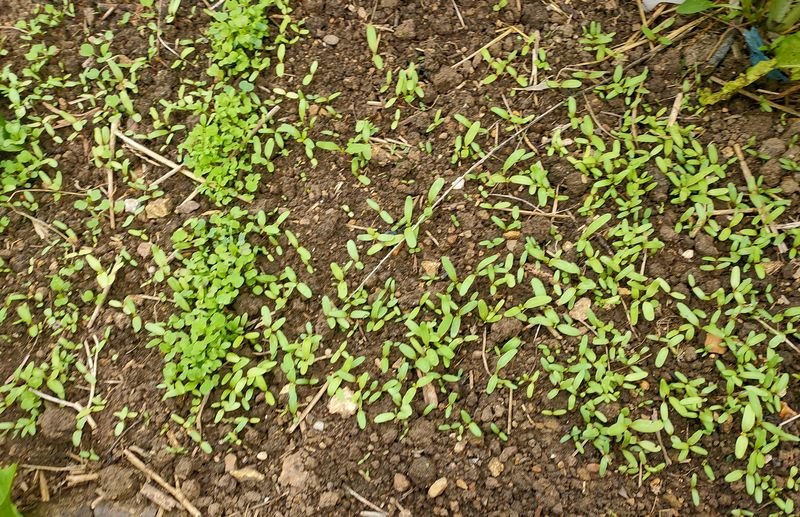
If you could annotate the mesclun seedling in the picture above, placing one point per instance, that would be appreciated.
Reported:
(595, 40)
(205, 344)
(372, 43)
(218, 147)
(244, 41)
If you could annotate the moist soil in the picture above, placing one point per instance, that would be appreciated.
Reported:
(318, 468)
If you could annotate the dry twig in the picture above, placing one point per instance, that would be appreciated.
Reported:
(364, 500)
(309, 407)
(174, 492)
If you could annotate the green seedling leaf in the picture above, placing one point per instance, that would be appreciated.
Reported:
(694, 6)
(748, 419)
(566, 267)
(644, 425)
(384, 417)
(741, 446)
(595, 225)
(449, 269)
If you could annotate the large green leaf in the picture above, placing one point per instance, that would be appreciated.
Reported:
(7, 508)
(787, 55)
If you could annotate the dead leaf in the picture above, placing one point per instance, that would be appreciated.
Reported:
(430, 267)
(247, 474)
(787, 412)
(581, 309)
(342, 403)
(773, 266)
(429, 395)
(41, 229)
(713, 344)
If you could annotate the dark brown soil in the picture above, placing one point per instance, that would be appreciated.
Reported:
(318, 468)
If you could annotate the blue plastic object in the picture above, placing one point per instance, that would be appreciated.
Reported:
(754, 44)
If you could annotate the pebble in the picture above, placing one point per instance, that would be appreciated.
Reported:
(406, 30)
(184, 467)
(158, 208)
(230, 462)
(293, 471)
(328, 499)
(118, 482)
(330, 39)
(430, 267)
(401, 482)
(261, 456)
(437, 488)
(144, 249)
(460, 483)
(789, 186)
(422, 471)
(319, 425)
(496, 467)
(773, 147)
(132, 205)
(187, 207)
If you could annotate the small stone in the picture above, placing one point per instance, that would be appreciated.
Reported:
(446, 79)
(492, 483)
(421, 471)
(772, 172)
(406, 30)
(328, 499)
(436, 489)
(144, 249)
(504, 330)
(158, 208)
(430, 267)
(704, 245)
(496, 467)
(118, 482)
(187, 207)
(667, 233)
(262, 456)
(389, 4)
(230, 462)
(132, 205)
(319, 425)
(460, 483)
(789, 186)
(331, 40)
(401, 482)
(688, 254)
(184, 467)
(293, 471)
(191, 489)
(57, 423)
(773, 147)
